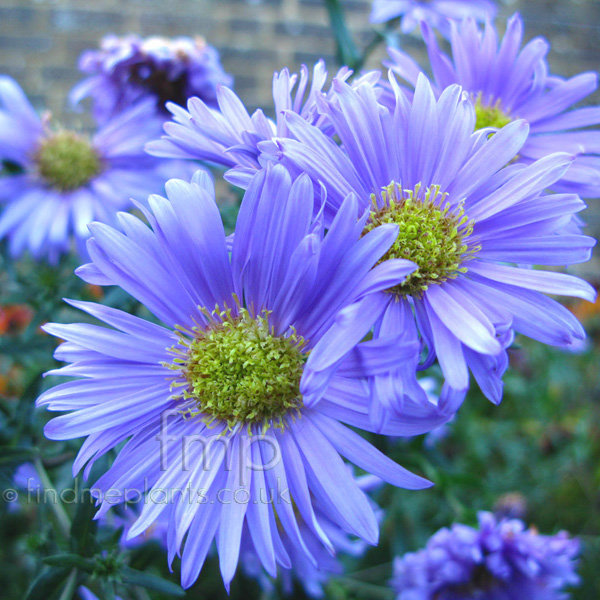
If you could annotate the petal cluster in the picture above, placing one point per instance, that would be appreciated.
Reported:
(500, 559)
(382, 229)
(437, 13)
(258, 484)
(230, 137)
(516, 79)
(466, 320)
(45, 220)
(126, 70)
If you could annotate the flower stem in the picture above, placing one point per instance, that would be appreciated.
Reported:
(62, 518)
(69, 589)
(347, 53)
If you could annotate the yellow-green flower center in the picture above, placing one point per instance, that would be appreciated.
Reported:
(490, 115)
(67, 161)
(431, 234)
(237, 371)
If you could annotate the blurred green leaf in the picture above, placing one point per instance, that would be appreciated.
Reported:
(151, 582)
(84, 528)
(48, 584)
(17, 455)
(71, 561)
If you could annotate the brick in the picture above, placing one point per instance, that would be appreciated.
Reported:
(245, 25)
(175, 24)
(245, 82)
(16, 15)
(61, 75)
(245, 54)
(252, 2)
(25, 44)
(296, 29)
(348, 5)
(309, 58)
(76, 20)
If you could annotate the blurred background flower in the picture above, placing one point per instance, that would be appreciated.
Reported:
(129, 69)
(501, 559)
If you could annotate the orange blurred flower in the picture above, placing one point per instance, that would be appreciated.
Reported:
(14, 318)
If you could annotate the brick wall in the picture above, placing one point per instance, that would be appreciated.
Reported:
(40, 40)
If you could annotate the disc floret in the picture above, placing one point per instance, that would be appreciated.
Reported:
(490, 115)
(432, 234)
(67, 161)
(237, 371)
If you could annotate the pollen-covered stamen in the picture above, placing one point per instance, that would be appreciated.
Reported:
(237, 370)
(431, 234)
(490, 115)
(67, 161)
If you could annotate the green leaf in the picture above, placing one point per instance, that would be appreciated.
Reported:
(48, 584)
(17, 455)
(72, 561)
(152, 582)
(83, 529)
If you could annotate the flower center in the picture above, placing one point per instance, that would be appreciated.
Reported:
(67, 161)
(431, 235)
(160, 83)
(237, 371)
(490, 115)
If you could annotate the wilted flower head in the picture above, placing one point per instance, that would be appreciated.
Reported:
(237, 399)
(473, 222)
(128, 69)
(501, 560)
(55, 181)
(438, 13)
(230, 137)
(507, 82)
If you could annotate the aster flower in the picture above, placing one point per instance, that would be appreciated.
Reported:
(474, 226)
(230, 137)
(128, 69)
(438, 13)
(508, 82)
(312, 578)
(498, 561)
(257, 364)
(56, 181)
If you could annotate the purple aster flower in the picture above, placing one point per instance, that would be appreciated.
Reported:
(230, 137)
(507, 82)
(57, 181)
(129, 69)
(312, 578)
(311, 575)
(499, 561)
(474, 226)
(438, 13)
(234, 404)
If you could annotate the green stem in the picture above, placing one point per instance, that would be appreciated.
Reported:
(69, 589)
(347, 53)
(64, 523)
(141, 593)
(378, 38)
(368, 590)
(108, 590)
